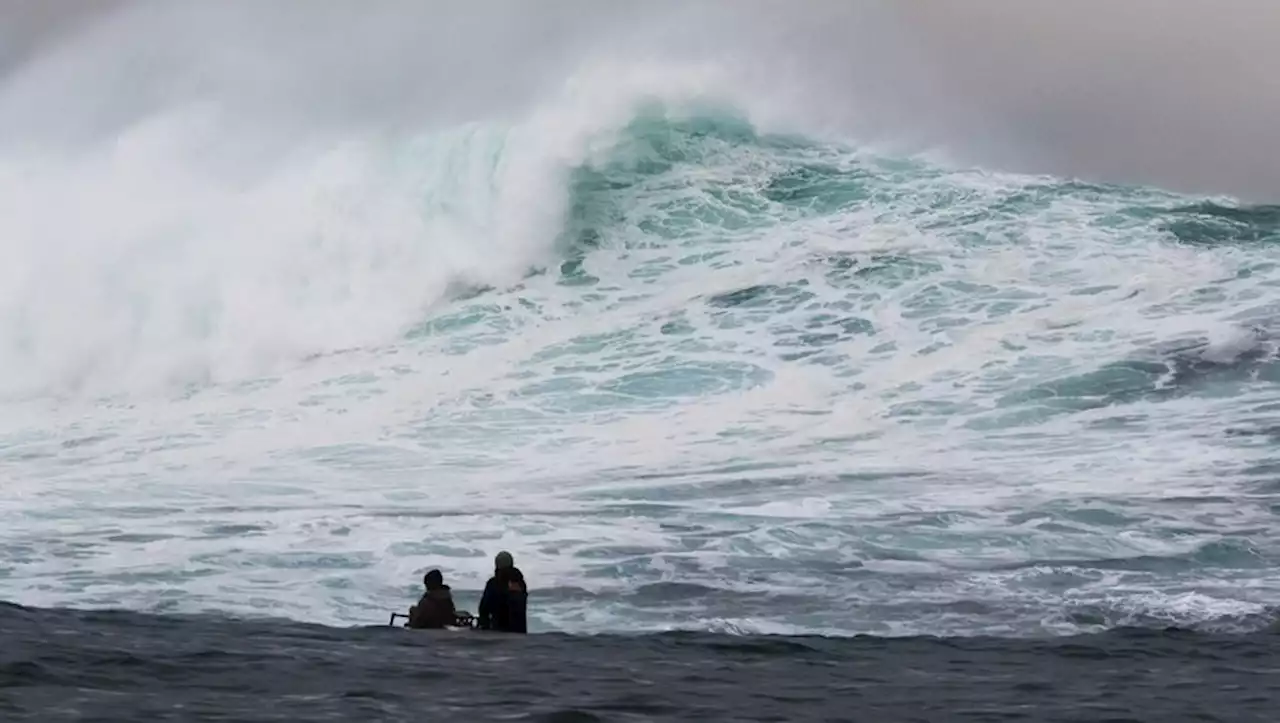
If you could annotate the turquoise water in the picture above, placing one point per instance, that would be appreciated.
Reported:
(693, 370)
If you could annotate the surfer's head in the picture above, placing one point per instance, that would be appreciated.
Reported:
(502, 560)
(433, 579)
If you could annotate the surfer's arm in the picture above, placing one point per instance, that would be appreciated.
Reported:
(486, 604)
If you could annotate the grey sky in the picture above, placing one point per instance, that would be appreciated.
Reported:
(1182, 93)
(26, 25)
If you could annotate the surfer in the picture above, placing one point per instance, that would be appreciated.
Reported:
(436, 609)
(502, 606)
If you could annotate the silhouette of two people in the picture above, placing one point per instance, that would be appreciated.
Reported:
(502, 605)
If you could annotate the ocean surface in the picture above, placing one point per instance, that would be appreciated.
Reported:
(123, 666)
(778, 424)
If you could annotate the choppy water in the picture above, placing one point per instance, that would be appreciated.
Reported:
(58, 666)
(698, 367)
(766, 383)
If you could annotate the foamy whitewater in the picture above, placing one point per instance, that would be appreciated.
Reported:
(696, 362)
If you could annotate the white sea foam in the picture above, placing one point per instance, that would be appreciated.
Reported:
(257, 373)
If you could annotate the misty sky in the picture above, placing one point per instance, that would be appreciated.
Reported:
(1180, 93)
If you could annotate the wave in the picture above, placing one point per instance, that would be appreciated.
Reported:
(665, 327)
(148, 263)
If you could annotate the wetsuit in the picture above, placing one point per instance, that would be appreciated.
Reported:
(502, 606)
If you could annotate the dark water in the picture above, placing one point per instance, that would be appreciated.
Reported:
(58, 665)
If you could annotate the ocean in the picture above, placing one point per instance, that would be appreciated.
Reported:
(122, 666)
(779, 424)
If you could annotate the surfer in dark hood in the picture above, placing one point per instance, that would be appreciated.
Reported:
(505, 598)
(435, 609)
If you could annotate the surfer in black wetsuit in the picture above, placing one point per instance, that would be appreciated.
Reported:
(502, 606)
